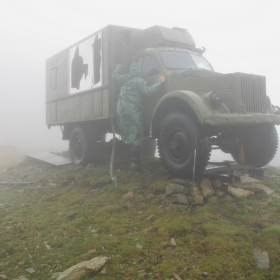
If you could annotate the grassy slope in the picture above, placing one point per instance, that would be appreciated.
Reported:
(218, 238)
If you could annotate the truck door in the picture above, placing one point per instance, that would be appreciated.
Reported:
(152, 71)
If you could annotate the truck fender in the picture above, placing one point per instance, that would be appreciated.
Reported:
(197, 104)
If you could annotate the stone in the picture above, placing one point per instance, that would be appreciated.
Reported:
(128, 196)
(3, 276)
(216, 183)
(180, 198)
(175, 189)
(173, 242)
(72, 215)
(252, 184)
(150, 217)
(238, 192)
(77, 271)
(139, 246)
(197, 198)
(183, 182)
(262, 258)
(22, 277)
(142, 273)
(206, 188)
(31, 270)
(177, 277)
(220, 193)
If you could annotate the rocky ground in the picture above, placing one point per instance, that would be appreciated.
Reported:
(144, 228)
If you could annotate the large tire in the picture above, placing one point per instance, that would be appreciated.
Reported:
(177, 145)
(260, 143)
(79, 147)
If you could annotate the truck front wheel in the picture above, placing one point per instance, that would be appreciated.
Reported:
(179, 137)
(260, 144)
(79, 146)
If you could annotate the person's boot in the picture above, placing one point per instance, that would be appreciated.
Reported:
(135, 159)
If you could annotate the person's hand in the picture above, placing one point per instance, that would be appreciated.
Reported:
(161, 79)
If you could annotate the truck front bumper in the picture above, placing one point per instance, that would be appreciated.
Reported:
(242, 119)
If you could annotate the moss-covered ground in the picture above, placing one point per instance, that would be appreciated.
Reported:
(52, 223)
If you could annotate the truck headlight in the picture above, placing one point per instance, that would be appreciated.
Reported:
(216, 100)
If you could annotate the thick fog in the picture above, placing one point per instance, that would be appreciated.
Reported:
(239, 36)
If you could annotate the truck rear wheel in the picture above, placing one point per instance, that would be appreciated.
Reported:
(260, 143)
(79, 146)
(177, 145)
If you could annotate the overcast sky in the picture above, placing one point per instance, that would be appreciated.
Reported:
(239, 36)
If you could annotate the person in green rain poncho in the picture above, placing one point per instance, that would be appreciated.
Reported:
(130, 108)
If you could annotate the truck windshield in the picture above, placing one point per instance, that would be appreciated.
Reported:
(184, 60)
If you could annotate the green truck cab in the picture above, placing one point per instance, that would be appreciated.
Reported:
(196, 109)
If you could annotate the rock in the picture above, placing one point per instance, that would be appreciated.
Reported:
(239, 192)
(31, 270)
(216, 183)
(262, 258)
(173, 242)
(180, 198)
(139, 246)
(22, 278)
(142, 273)
(77, 271)
(206, 187)
(177, 277)
(72, 215)
(92, 251)
(252, 184)
(150, 217)
(3, 276)
(183, 182)
(175, 189)
(128, 196)
(93, 230)
(220, 193)
(197, 198)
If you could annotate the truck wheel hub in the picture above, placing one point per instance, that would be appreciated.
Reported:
(178, 145)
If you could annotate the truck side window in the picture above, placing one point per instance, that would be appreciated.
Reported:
(149, 65)
(146, 65)
(154, 69)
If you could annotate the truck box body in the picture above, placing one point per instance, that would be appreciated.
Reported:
(78, 80)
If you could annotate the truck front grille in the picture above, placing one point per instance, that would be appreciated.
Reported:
(253, 91)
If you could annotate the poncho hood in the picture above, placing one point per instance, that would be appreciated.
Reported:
(136, 71)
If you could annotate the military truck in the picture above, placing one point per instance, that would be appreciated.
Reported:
(197, 109)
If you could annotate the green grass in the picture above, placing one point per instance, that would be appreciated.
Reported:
(218, 238)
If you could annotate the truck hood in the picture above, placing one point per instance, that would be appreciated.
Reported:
(191, 73)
